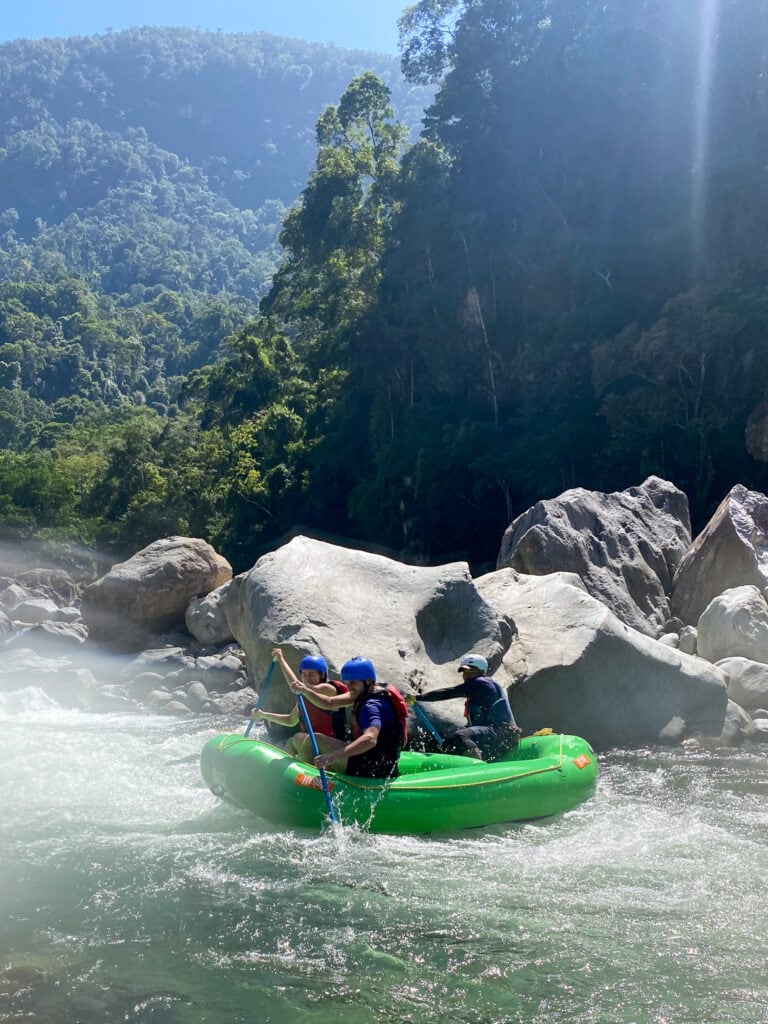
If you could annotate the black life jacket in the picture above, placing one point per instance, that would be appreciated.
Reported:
(497, 713)
(381, 762)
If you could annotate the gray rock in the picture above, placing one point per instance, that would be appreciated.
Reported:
(197, 696)
(747, 681)
(219, 673)
(163, 661)
(743, 717)
(687, 643)
(734, 625)
(670, 639)
(731, 551)
(736, 720)
(233, 703)
(143, 684)
(35, 609)
(157, 698)
(625, 546)
(68, 614)
(150, 591)
(47, 637)
(574, 667)
(13, 595)
(175, 707)
(206, 619)
(54, 583)
(182, 676)
(414, 623)
(757, 730)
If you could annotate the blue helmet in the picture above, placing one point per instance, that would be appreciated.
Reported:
(314, 663)
(357, 668)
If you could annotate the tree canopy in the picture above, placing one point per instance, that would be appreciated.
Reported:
(560, 283)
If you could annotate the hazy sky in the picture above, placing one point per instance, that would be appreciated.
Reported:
(359, 24)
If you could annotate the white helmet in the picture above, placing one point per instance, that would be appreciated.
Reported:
(473, 661)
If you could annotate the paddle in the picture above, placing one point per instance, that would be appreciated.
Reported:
(316, 750)
(422, 717)
(262, 694)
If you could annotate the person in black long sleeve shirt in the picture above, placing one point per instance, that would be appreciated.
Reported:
(491, 730)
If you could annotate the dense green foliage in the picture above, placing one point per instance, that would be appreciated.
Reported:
(144, 177)
(568, 286)
(162, 156)
(561, 283)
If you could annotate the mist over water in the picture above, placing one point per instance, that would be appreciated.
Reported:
(129, 893)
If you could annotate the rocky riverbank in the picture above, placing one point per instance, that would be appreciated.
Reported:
(604, 618)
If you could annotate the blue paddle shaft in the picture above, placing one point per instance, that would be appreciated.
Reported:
(422, 717)
(316, 750)
(262, 694)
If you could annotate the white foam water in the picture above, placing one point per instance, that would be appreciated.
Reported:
(129, 893)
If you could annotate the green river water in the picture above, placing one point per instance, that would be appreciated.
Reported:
(128, 893)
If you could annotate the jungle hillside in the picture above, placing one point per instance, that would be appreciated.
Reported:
(250, 285)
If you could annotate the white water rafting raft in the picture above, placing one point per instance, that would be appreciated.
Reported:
(542, 776)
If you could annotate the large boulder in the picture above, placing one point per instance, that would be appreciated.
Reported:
(414, 623)
(734, 625)
(731, 551)
(625, 546)
(150, 591)
(575, 667)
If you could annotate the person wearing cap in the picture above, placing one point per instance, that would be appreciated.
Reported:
(378, 724)
(490, 730)
(314, 674)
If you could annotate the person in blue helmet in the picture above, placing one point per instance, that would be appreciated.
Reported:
(379, 714)
(314, 673)
(491, 730)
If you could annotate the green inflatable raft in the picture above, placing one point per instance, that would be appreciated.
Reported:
(542, 776)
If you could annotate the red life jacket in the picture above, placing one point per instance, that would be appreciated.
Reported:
(327, 723)
(399, 706)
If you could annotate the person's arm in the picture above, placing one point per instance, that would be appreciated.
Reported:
(321, 700)
(292, 717)
(366, 741)
(446, 693)
(288, 673)
(289, 719)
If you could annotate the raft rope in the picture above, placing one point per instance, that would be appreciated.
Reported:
(345, 781)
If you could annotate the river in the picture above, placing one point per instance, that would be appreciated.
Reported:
(129, 893)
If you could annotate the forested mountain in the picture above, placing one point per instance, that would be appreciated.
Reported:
(563, 282)
(119, 149)
(144, 176)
